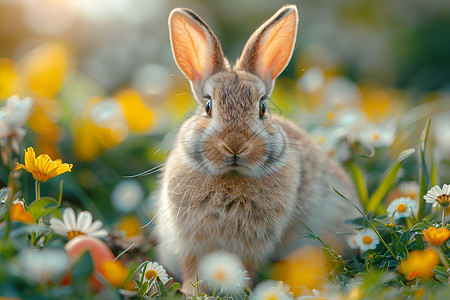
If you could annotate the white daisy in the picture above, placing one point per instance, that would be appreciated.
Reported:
(382, 135)
(409, 189)
(223, 271)
(42, 266)
(14, 115)
(366, 239)
(402, 206)
(71, 226)
(153, 269)
(436, 195)
(272, 290)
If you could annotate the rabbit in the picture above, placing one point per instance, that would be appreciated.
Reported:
(241, 179)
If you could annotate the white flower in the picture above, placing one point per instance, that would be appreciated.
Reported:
(153, 269)
(366, 239)
(377, 135)
(402, 206)
(224, 271)
(271, 290)
(436, 195)
(127, 195)
(409, 189)
(42, 266)
(14, 115)
(72, 226)
(331, 140)
(351, 241)
(311, 80)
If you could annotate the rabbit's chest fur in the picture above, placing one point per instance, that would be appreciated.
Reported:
(243, 215)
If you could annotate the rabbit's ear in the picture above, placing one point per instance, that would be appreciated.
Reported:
(270, 48)
(195, 47)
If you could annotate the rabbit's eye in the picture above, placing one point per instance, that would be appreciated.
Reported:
(262, 109)
(208, 108)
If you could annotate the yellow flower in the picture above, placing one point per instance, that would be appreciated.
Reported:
(114, 272)
(419, 264)
(304, 269)
(18, 213)
(140, 117)
(436, 236)
(43, 167)
(130, 225)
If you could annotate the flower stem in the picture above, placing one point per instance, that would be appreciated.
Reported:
(443, 217)
(60, 192)
(444, 208)
(38, 193)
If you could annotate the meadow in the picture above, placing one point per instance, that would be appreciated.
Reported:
(90, 103)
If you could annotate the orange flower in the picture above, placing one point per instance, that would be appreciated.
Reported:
(43, 167)
(420, 264)
(436, 236)
(114, 272)
(18, 213)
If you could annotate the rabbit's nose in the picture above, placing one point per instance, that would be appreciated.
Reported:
(235, 143)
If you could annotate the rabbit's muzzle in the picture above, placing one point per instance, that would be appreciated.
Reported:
(234, 149)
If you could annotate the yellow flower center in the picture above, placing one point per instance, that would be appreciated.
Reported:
(367, 240)
(401, 208)
(220, 275)
(149, 274)
(271, 296)
(376, 136)
(443, 200)
(74, 233)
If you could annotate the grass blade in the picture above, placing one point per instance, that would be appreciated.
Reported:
(388, 180)
(360, 184)
(424, 176)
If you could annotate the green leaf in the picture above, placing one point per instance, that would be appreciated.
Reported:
(360, 183)
(144, 288)
(427, 223)
(174, 288)
(442, 279)
(419, 227)
(83, 268)
(424, 177)
(388, 180)
(43, 207)
(439, 270)
(161, 288)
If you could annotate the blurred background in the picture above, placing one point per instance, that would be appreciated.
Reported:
(109, 98)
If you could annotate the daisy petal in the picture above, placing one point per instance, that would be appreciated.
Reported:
(96, 226)
(99, 233)
(70, 219)
(446, 189)
(56, 223)
(84, 221)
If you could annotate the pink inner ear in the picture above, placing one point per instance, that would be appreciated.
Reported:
(276, 47)
(190, 47)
